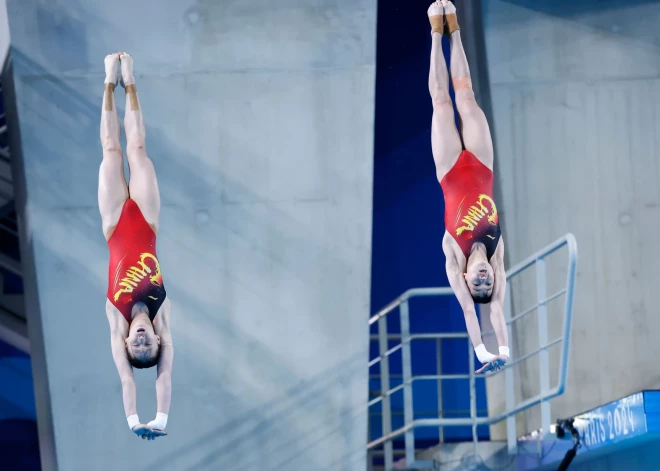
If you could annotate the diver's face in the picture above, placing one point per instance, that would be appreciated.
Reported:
(480, 279)
(142, 342)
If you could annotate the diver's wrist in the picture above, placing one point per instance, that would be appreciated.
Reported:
(133, 420)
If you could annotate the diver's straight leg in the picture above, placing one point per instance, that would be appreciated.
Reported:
(112, 190)
(474, 126)
(143, 183)
(445, 140)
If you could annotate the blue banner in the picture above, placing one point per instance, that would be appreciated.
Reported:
(613, 422)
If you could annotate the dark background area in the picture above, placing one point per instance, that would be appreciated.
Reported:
(19, 443)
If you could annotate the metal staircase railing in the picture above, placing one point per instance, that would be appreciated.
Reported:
(512, 408)
(13, 327)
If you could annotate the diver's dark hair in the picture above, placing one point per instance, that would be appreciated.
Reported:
(139, 364)
(483, 299)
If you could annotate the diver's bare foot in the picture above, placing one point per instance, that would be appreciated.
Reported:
(451, 22)
(126, 61)
(448, 7)
(436, 17)
(111, 63)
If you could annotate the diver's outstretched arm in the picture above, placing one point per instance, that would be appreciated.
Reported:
(118, 335)
(165, 361)
(457, 283)
(497, 300)
(497, 312)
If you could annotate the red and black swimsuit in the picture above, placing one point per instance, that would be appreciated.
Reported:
(470, 210)
(134, 274)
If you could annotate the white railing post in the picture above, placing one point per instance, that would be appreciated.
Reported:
(406, 359)
(568, 311)
(438, 371)
(509, 381)
(544, 354)
(473, 397)
(384, 390)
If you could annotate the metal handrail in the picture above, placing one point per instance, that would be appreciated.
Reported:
(542, 398)
(411, 293)
(10, 265)
(416, 337)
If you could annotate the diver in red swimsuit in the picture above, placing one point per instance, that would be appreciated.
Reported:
(137, 306)
(472, 243)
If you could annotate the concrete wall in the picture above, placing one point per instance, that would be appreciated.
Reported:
(576, 99)
(260, 124)
(4, 31)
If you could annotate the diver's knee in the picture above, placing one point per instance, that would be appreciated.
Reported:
(111, 146)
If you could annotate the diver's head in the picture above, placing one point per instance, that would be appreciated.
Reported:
(142, 344)
(479, 277)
